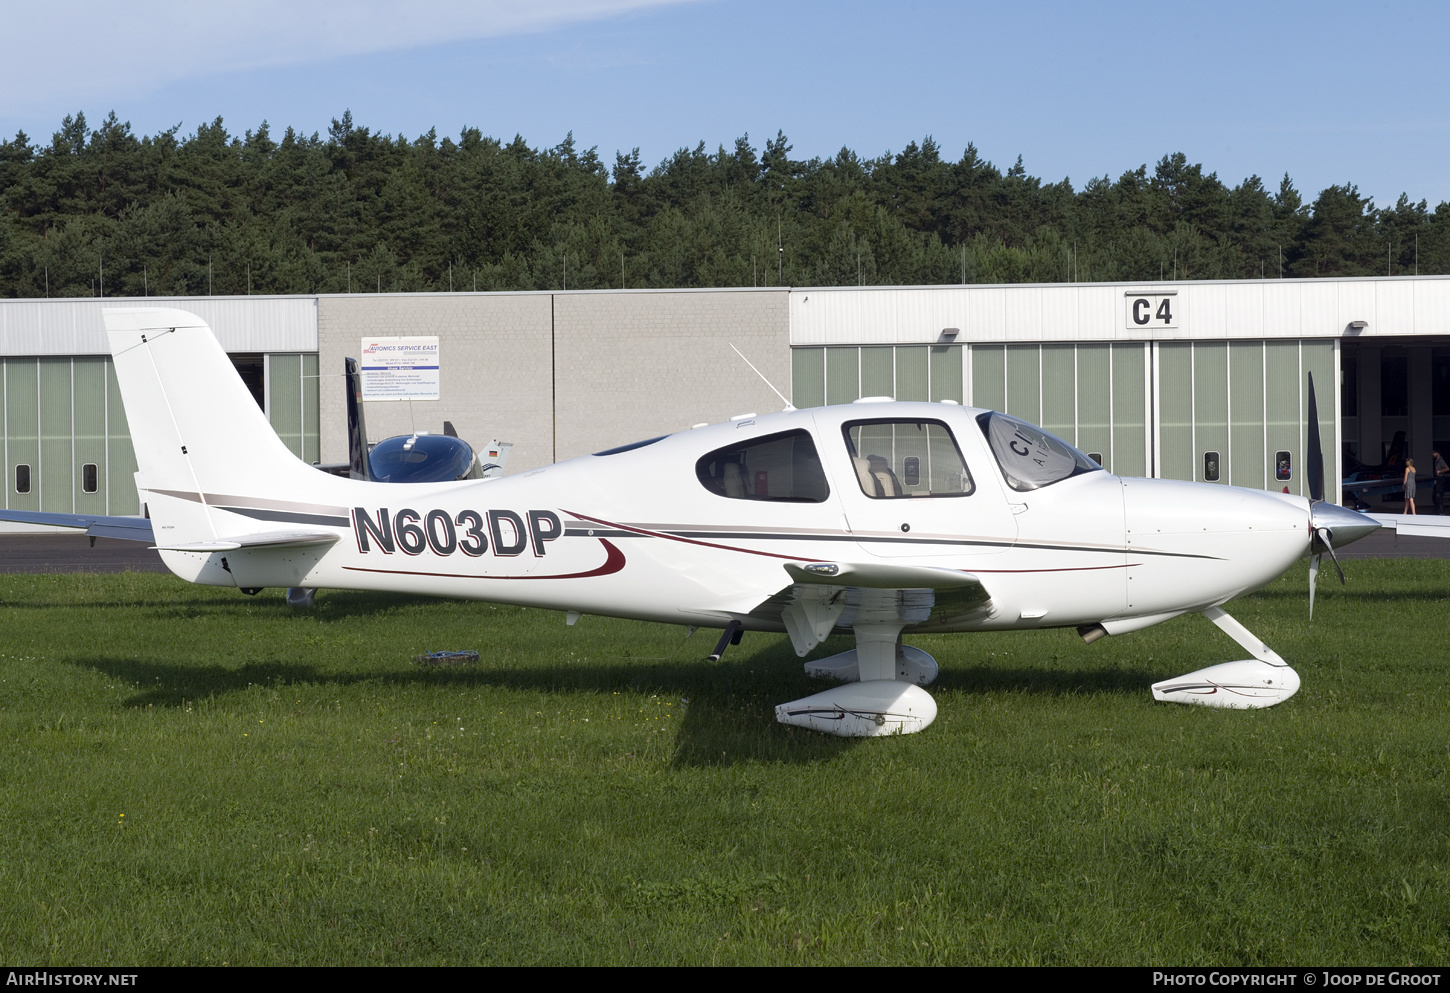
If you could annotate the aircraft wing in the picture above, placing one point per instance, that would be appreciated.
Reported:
(823, 595)
(1365, 485)
(1417, 525)
(129, 528)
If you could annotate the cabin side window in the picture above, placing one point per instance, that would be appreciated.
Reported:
(906, 459)
(782, 467)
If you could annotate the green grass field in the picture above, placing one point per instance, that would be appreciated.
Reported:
(195, 776)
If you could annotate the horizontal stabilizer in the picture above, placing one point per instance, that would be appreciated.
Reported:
(266, 539)
(119, 527)
(129, 528)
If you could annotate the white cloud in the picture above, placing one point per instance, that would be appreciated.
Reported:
(69, 52)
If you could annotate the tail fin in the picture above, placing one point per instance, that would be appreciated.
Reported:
(197, 431)
(493, 457)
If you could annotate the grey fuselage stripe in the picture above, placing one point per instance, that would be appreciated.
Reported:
(289, 518)
(797, 535)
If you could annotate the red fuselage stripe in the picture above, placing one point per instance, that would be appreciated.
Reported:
(688, 541)
(613, 563)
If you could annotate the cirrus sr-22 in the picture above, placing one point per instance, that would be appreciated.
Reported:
(877, 518)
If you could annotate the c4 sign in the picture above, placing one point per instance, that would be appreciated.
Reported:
(1145, 311)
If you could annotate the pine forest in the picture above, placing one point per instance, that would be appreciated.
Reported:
(104, 212)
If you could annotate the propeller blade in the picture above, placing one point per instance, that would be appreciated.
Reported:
(1326, 521)
(1326, 537)
(1315, 467)
(1313, 581)
(1323, 539)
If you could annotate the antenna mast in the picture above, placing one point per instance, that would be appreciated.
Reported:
(788, 405)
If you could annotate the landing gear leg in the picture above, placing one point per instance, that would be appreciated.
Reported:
(912, 666)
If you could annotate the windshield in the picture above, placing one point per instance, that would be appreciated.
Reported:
(1029, 456)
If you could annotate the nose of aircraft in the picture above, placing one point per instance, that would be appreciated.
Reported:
(1344, 525)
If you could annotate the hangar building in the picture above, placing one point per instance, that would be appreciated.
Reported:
(1187, 380)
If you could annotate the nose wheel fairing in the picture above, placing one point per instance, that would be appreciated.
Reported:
(1248, 683)
(1262, 681)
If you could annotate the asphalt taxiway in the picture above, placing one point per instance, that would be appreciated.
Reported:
(48, 553)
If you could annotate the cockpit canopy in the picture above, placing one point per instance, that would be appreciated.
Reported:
(420, 458)
(892, 457)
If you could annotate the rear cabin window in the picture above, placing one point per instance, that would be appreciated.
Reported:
(782, 467)
(907, 459)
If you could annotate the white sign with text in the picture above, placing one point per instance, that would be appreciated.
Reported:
(400, 368)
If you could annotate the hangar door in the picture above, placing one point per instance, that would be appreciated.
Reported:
(65, 445)
(1394, 404)
(1234, 412)
(1094, 396)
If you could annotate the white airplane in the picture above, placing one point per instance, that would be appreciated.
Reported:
(879, 518)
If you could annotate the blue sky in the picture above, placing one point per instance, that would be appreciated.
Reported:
(1327, 92)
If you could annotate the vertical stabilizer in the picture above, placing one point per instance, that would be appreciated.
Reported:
(197, 431)
(493, 457)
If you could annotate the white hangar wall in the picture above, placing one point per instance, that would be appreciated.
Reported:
(1187, 380)
(494, 368)
(64, 326)
(1231, 309)
(1210, 387)
(563, 374)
